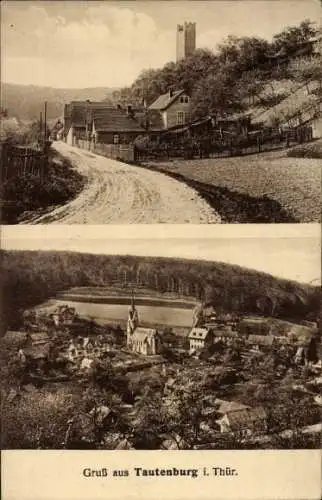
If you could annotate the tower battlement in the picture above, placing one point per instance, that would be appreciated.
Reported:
(186, 39)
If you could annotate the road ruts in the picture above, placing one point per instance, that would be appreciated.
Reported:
(118, 193)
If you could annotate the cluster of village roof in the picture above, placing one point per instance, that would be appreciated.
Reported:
(103, 123)
(258, 333)
(229, 416)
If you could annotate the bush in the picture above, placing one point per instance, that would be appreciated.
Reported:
(37, 420)
(30, 193)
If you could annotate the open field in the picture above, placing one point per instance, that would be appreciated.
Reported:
(118, 295)
(117, 313)
(253, 188)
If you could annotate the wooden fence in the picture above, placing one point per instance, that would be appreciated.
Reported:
(123, 152)
(225, 144)
(20, 161)
(217, 145)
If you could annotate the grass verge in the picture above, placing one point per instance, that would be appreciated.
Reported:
(309, 150)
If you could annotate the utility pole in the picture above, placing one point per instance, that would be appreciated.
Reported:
(40, 128)
(45, 121)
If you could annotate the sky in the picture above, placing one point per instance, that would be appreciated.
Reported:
(76, 44)
(286, 251)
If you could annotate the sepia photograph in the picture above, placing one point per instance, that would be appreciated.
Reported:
(161, 112)
(165, 343)
(160, 249)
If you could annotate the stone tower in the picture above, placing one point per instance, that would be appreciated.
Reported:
(186, 40)
(132, 321)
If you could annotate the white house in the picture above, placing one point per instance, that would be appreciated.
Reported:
(199, 338)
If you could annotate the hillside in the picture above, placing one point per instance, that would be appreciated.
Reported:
(272, 81)
(228, 287)
(27, 101)
(292, 100)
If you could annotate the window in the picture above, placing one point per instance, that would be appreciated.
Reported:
(116, 139)
(184, 99)
(180, 117)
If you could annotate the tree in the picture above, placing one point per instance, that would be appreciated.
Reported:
(245, 53)
(187, 412)
(103, 375)
(305, 70)
(218, 94)
(291, 38)
(151, 420)
(288, 412)
(107, 414)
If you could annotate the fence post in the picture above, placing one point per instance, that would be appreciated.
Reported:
(259, 143)
(135, 153)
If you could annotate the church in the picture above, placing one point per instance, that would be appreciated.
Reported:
(145, 341)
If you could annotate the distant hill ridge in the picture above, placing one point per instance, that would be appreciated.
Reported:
(226, 286)
(27, 101)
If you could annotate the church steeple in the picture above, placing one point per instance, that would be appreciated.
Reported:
(133, 319)
(132, 300)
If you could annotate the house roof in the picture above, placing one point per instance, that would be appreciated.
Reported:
(165, 100)
(115, 120)
(246, 417)
(39, 337)
(106, 117)
(261, 339)
(209, 311)
(286, 329)
(198, 333)
(37, 351)
(254, 320)
(124, 444)
(84, 342)
(229, 406)
(301, 331)
(225, 333)
(64, 310)
(15, 337)
(142, 334)
(100, 413)
(77, 113)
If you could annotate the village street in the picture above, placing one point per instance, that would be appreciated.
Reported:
(119, 193)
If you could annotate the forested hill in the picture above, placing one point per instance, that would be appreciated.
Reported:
(243, 75)
(27, 101)
(30, 277)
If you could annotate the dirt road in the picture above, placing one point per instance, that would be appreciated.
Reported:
(118, 193)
